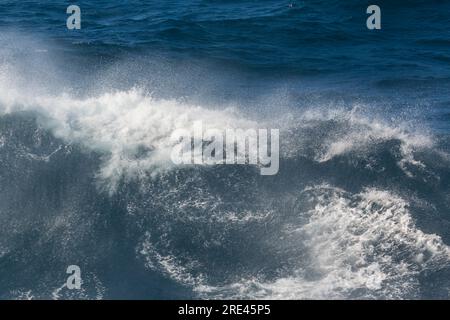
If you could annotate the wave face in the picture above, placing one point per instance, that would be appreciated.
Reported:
(358, 210)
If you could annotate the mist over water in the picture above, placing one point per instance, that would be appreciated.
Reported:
(359, 208)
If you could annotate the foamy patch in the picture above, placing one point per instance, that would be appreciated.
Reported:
(63, 293)
(22, 295)
(169, 265)
(364, 133)
(130, 128)
(360, 246)
(327, 134)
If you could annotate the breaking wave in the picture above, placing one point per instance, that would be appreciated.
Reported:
(358, 209)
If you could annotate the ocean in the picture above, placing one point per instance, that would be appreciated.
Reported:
(360, 205)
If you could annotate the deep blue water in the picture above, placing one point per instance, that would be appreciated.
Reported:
(359, 209)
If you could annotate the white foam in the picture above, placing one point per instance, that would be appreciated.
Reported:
(119, 124)
(169, 264)
(361, 246)
(132, 129)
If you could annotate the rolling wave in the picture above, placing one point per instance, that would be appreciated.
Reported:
(359, 208)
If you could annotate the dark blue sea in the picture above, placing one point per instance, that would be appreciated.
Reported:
(360, 207)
